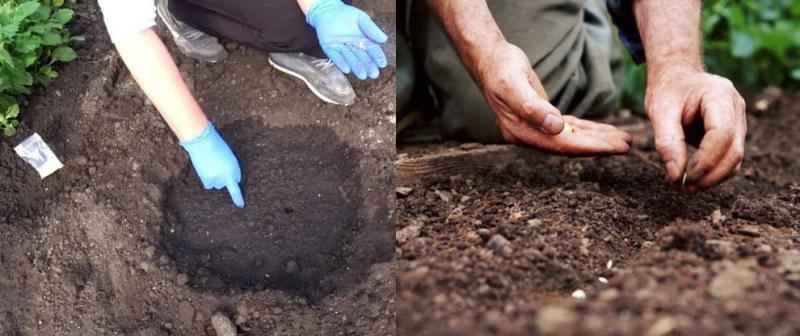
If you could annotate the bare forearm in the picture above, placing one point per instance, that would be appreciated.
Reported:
(472, 28)
(670, 31)
(154, 69)
(305, 4)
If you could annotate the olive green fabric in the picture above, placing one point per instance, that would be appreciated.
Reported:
(570, 45)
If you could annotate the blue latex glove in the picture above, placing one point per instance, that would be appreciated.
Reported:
(349, 37)
(215, 163)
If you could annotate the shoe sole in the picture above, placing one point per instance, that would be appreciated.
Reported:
(308, 84)
(163, 13)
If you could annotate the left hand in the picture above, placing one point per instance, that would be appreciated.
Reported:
(679, 96)
(349, 37)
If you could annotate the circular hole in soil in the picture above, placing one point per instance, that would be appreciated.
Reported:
(302, 197)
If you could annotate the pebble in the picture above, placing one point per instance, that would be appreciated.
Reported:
(662, 327)
(484, 233)
(603, 280)
(534, 222)
(499, 245)
(555, 320)
(717, 217)
(749, 230)
(407, 233)
(443, 195)
(403, 191)
(81, 160)
(223, 325)
(150, 251)
(579, 294)
(182, 279)
(733, 281)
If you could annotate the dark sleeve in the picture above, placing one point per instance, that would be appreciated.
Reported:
(622, 14)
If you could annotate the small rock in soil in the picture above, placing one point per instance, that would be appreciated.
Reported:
(499, 245)
(579, 294)
(403, 191)
(733, 281)
(80, 160)
(484, 233)
(662, 327)
(552, 320)
(749, 230)
(182, 279)
(717, 217)
(443, 195)
(534, 222)
(223, 325)
(409, 232)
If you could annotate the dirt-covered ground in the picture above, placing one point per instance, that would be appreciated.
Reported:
(502, 250)
(87, 251)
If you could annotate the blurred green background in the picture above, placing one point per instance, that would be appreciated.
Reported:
(754, 43)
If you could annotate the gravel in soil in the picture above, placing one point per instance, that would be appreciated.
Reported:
(552, 245)
(84, 251)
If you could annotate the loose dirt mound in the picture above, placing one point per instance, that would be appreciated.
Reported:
(83, 252)
(302, 196)
(500, 250)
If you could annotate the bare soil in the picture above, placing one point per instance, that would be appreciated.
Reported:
(502, 250)
(89, 251)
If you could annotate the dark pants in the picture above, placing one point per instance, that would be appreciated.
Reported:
(268, 25)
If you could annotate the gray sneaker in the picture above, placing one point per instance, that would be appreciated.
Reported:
(320, 75)
(190, 41)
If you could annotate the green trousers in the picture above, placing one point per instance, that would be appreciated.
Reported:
(570, 45)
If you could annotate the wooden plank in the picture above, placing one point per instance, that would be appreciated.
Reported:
(457, 161)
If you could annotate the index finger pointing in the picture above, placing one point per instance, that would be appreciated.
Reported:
(236, 194)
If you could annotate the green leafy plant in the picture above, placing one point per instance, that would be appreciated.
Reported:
(33, 37)
(754, 43)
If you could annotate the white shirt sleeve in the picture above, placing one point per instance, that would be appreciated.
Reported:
(124, 18)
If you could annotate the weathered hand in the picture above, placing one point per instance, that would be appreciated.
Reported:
(680, 96)
(524, 115)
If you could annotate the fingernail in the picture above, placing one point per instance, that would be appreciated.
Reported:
(553, 124)
(692, 173)
(672, 170)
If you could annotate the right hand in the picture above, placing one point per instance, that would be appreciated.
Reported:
(349, 37)
(215, 164)
(525, 116)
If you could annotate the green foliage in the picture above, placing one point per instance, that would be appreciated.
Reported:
(33, 36)
(754, 43)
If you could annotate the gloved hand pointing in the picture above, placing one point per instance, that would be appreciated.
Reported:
(215, 164)
(349, 37)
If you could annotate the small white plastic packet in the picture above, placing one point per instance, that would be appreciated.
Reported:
(38, 154)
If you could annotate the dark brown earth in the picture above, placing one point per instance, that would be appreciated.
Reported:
(84, 252)
(302, 199)
(505, 251)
